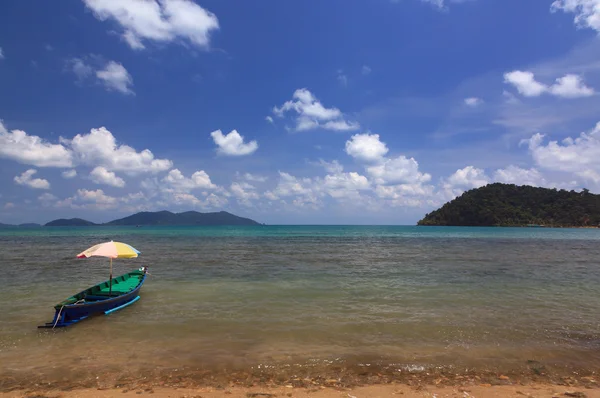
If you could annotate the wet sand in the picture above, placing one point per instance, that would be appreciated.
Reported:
(536, 380)
(318, 386)
(375, 391)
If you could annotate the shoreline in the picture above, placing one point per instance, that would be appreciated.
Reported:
(102, 384)
(514, 226)
(538, 390)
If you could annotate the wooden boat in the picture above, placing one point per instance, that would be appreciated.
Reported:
(99, 299)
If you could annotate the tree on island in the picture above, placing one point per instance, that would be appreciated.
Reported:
(511, 205)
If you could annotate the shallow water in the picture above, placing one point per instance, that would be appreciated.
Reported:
(290, 301)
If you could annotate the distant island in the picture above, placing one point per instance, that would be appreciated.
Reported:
(25, 225)
(71, 222)
(511, 205)
(185, 218)
(147, 218)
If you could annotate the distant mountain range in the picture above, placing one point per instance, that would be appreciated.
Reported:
(26, 225)
(70, 222)
(185, 218)
(146, 218)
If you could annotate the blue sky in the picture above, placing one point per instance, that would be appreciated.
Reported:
(325, 112)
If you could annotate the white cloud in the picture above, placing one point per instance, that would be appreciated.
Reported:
(397, 181)
(161, 21)
(519, 176)
(69, 174)
(254, 177)
(290, 185)
(568, 86)
(80, 68)
(98, 196)
(89, 199)
(580, 156)
(307, 105)
(244, 193)
(215, 201)
(310, 193)
(311, 114)
(99, 148)
(96, 199)
(400, 170)
(571, 86)
(301, 190)
(587, 12)
(439, 4)
(340, 125)
(233, 144)
(344, 185)
(461, 180)
(133, 197)
(406, 195)
(178, 182)
(304, 124)
(468, 177)
(31, 149)
(525, 83)
(186, 199)
(366, 147)
(150, 184)
(114, 76)
(510, 98)
(342, 78)
(269, 119)
(473, 102)
(102, 176)
(176, 189)
(366, 70)
(1, 53)
(331, 167)
(46, 198)
(36, 183)
(9, 205)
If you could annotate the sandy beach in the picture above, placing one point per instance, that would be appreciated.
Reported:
(471, 386)
(375, 391)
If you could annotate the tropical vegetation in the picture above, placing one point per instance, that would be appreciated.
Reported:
(511, 205)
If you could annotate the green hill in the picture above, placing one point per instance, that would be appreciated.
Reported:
(162, 218)
(186, 218)
(511, 205)
(71, 222)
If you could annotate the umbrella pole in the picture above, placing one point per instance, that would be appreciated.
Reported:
(110, 280)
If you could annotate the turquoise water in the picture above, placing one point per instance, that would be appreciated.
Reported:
(291, 300)
(313, 231)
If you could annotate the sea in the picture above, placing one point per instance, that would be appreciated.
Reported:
(304, 305)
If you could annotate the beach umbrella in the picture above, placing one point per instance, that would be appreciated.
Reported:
(111, 250)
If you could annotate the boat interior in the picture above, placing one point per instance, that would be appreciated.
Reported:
(120, 285)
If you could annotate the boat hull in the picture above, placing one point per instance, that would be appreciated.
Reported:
(92, 301)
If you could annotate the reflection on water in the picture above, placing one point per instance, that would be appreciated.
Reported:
(304, 300)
